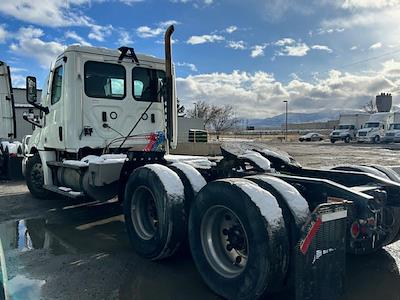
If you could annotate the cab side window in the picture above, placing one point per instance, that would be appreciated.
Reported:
(56, 85)
(145, 83)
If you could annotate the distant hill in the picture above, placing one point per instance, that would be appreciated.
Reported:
(295, 118)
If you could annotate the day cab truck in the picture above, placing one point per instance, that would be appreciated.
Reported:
(348, 126)
(10, 149)
(255, 220)
(392, 135)
(375, 128)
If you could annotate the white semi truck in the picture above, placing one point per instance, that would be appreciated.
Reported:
(10, 149)
(393, 133)
(256, 220)
(375, 128)
(348, 126)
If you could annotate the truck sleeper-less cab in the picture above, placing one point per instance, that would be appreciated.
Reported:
(256, 221)
(10, 149)
(349, 124)
(375, 128)
(393, 134)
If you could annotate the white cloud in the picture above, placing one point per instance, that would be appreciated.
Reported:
(376, 46)
(131, 2)
(148, 32)
(52, 13)
(259, 94)
(207, 38)
(231, 29)
(353, 48)
(192, 67)
(352, 4)
(125, 38)
(257, 50)
(322, 48)
(196, 3)
(74, 36)
(30, 43)
(3, 34)
(237, 45)
(297, 49)
(284, 42)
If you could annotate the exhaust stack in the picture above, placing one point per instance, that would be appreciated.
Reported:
(171, 105)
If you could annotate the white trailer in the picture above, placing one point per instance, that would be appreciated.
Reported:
(348, 126)
(253, 219)
(10, 149)
(393, 134)
(375, 128)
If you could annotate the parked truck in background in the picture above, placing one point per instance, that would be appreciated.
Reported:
(375, 128)
(256, 221)
(10, 149)
(348, 126)
(393, 133)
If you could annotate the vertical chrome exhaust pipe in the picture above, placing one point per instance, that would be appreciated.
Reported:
(169, 83)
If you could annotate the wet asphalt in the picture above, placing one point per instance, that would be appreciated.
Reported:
(68, 249)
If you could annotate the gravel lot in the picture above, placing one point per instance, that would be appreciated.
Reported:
(66, 249)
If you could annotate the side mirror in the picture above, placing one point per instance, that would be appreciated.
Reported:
(334, 127)
(31, 90)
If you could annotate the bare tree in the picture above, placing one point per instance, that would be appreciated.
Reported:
(370, 107)
(216, 118)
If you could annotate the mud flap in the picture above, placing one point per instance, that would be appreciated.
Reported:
(321, 254)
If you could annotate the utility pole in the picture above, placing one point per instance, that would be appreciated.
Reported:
(286, 122)
(195, 109)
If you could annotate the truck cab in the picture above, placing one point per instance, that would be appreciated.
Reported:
(349, 124)
(345, 132)
(374, 130)
(93, 98)
(393, 134)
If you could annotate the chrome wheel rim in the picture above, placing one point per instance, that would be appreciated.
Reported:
(224, 241)
(144, 213)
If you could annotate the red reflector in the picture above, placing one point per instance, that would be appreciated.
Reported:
(13, 154)
(355, 230)
(310, 235)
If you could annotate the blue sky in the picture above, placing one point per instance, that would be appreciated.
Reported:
(319, 54)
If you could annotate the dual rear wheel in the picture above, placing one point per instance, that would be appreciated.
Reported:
(238, 250)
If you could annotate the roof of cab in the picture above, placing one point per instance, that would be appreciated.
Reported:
(108, 52)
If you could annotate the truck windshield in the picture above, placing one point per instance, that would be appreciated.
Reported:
(394, 127)
(145, 83)
(344, 127)
(371, 125)
(104, 80)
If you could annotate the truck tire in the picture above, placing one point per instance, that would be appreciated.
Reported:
(333, 141)
(154, 211)
(35, 179)
(376, 139)
(192, 181)
(347, 139)
(238, 239)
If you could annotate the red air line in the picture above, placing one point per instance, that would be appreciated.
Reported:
(310, 235)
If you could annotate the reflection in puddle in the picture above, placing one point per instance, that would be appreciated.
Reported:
(22, 288)
(30, 234)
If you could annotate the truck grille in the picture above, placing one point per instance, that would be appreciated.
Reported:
(390, 134)
(362, 133)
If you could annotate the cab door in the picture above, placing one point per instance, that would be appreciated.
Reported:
(54, 128)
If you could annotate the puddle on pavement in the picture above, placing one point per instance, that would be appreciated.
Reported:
(21, 287)
(30, 234)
